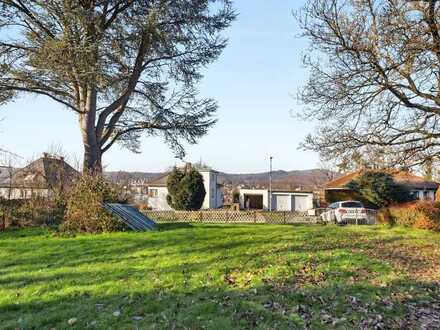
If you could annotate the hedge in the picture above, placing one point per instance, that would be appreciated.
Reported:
(422, 215)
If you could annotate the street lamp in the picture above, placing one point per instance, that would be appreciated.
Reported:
(270, 185)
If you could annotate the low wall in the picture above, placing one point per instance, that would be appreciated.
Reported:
(226, 216)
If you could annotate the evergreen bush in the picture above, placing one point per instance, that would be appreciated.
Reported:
(186, 190)
(380, 189)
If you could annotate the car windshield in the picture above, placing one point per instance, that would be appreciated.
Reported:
(352, 205)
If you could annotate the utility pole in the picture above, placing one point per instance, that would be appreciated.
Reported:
(270, 185)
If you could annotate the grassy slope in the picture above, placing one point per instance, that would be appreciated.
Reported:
(219, 277)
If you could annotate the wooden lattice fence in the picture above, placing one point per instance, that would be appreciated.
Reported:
(226, 216)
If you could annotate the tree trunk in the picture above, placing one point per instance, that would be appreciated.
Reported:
(92, 149)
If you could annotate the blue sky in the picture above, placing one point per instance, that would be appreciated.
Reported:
(255, 83)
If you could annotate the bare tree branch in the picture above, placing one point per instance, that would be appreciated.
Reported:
(374, 83)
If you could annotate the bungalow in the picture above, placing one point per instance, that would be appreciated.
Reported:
(158, 192)
(282, 200)
(40, 178)
(419, 187)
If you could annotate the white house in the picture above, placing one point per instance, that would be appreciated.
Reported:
(290, 201)
(158, 191)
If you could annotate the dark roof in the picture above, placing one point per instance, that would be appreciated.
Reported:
(160, 181)
(408, 179)
(287, 191)
(281, 190)
(45, 173)
(5, 172)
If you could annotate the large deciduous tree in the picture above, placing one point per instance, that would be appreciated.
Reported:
(124, 67)
(374, 81)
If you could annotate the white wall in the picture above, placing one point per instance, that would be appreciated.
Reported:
(220, 196)
(420, 194)
(159, 203)
(23, 193)
(214, 192)
(207, 181)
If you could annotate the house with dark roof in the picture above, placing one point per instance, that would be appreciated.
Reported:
(40, 178)
(419, 187)
(158, 192)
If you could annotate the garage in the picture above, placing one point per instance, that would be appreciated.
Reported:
(282, 203)
(301, 203)
(253, 202)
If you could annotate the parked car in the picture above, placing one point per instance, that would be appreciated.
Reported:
(344, 212)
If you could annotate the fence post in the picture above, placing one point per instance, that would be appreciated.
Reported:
(3, 227)
(284, 216)
(201, 216)
(255, 216)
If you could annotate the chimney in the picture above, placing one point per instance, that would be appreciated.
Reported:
(188, 167)
(45, 155)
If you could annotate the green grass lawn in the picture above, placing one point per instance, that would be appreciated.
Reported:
(221, 277)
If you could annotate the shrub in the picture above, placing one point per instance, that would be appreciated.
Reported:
(186, 191)
(404, 214)
(380, 189)
(8, 212)
(422, 215)
(236, 196)
(384, 217)
(429, 216)
(38, 211)
(85, 211)
(35, 211)
(143, 206)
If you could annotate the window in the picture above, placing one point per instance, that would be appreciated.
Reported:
(426, 195)
(352, 205)
(414, 194)
(153, 193)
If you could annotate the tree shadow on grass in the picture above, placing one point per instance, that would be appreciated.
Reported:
(199, 279)
(173, 226)
(276, 304)
(137, 248)
(25, 232)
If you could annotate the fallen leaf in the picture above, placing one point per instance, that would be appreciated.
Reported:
(72, 321)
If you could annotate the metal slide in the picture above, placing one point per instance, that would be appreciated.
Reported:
(131, 217)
